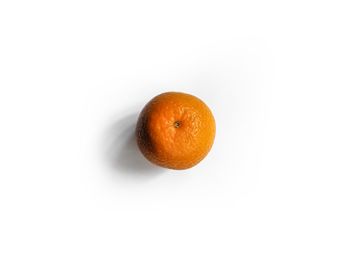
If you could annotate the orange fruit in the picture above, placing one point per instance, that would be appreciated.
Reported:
(175, 130)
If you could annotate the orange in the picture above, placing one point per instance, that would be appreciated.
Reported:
(175, 130)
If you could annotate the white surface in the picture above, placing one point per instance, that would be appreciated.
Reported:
(275, 187)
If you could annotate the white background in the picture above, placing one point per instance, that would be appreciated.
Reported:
(75, 74)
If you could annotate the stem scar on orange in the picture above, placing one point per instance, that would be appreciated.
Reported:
(175, 130)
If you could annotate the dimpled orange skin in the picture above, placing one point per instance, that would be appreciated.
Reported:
(175, 130)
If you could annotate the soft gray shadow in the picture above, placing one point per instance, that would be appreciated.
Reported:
(123, 154)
